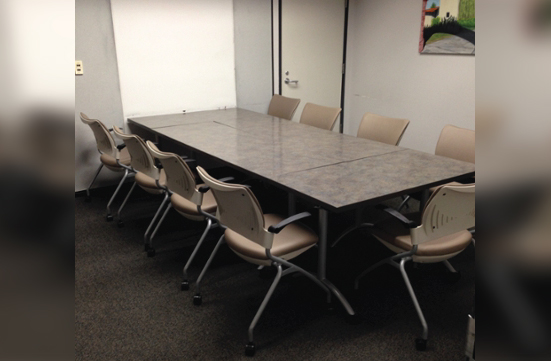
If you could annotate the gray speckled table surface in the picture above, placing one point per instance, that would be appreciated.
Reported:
(336, 171)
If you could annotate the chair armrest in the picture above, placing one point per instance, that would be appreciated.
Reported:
(278, 227)
(205, 189)
(399, 216)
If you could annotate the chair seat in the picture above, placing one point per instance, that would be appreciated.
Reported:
(289, 243)
(185, 206)
(146, 181)
(111, 162)
(397, 235)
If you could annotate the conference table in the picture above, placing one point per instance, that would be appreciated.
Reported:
(332, 171)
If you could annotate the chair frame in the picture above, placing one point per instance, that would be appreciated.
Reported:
(114, 152)
(420, 235)
(264, 238)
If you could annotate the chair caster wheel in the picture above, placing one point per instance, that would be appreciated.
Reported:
(420, 344)
(88, 199)
(353, 319)
(197, 300)
(151, 252)
(249, 349)
(120, 224)
(146, 247)
(453, 277)
(109, 218)
(184, 286)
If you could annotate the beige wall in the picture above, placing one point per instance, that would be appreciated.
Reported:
(387, 75)
(449, 6)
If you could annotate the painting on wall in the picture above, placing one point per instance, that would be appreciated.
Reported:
(448, 27)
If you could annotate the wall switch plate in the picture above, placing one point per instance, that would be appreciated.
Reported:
(79, 70)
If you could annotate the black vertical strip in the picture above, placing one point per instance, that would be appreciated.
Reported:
(272, 32)
(341, 125)
(280, 47)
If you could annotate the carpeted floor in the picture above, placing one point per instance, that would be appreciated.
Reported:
(130, 307)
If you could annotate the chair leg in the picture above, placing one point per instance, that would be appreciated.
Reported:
(197, 299)
(109, 217)
(88, 198)
(158, 225)
(421, 343)
(449, 266)
(249, 348)
(151, 251)
(404, 203)
(185, 282)
(350, 230)
(121, 223)
(376, 265)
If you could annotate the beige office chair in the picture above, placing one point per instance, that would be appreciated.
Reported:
(439, 233)
(456, 143)
(283, 107)
(185, 198)
(382, 129)
(262, 239)
(109, 153)
(150, 178)
(319, 116)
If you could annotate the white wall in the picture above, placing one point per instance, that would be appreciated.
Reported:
(174, 55)
(387, 75)
(253, 53)
(97, 91)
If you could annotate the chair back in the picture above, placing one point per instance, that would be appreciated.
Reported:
(283, 107)
(105, 142)
(449, 210)
(140, 157)
(382, 129)
(238, 209)
(319, 116)
(179, 177)
(457, 143)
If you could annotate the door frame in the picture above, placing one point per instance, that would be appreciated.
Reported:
(276, 29)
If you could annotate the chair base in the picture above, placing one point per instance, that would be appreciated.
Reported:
(120, 223)
(197, 300)
(250, 349)
(420, 344)
(184, 286)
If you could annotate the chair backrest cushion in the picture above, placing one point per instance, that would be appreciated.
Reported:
(319, 116)
(104, 140)
(382, 129)
(140, 157)
(179, 177)
(238, 209)
(283, 107)
(449, 210)
(457, 143)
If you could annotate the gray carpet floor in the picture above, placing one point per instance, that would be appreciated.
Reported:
(130, 307)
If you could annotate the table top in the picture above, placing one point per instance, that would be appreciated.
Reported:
(335, 171)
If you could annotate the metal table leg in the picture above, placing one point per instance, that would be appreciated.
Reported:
(322, 261)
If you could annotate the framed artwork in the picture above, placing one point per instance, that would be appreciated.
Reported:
(448, 27)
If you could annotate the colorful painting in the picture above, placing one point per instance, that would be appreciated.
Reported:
(448, 27)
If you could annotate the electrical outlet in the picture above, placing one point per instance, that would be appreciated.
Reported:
(79, 70)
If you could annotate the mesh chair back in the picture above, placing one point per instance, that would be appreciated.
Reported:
(239, 210)
(319, 116)
(140, 157)
(382, 129)
(283, 107)
(450, 209)
(179, 177)
(104, 140)
(456, 143)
